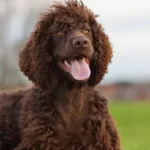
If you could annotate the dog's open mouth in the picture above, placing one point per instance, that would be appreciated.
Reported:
(78, 67)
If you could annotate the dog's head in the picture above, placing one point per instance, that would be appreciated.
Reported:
(68, 44)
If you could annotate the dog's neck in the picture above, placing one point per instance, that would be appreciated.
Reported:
(72, 102)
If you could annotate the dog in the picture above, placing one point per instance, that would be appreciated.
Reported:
(65, 57)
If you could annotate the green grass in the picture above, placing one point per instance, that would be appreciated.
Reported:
(133, 120)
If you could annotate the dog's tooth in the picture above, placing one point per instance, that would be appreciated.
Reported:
(82, 59)
(66, 63)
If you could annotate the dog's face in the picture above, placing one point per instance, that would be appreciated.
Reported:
(68, 44)
(73, 51)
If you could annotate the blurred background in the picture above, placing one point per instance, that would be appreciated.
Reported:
(127, 85)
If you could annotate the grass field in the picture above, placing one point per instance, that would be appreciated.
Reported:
(133, 120)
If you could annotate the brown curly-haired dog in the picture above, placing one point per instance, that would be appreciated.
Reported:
(65, 57)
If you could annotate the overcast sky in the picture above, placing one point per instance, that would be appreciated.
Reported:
(127, 22)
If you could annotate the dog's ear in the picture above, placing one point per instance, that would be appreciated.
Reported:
(103, 52)
(35, 60)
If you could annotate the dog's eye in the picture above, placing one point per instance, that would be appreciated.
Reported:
(59, 34)
(86, 31)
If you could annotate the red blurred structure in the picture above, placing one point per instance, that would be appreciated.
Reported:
(126, 91)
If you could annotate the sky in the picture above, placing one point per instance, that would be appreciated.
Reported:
(128, 25)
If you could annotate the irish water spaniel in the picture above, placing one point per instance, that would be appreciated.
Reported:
(65, 57)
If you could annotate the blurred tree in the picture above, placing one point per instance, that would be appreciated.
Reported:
(17, 19)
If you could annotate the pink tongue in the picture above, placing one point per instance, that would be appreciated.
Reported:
(80, 69)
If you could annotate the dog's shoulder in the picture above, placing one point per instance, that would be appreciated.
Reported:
(10, 99)
(98, 103)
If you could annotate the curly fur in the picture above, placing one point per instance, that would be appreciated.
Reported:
(59, 113)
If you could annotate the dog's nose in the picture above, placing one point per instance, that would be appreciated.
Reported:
(80, 42)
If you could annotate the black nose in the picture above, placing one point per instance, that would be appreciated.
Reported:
(80, 42)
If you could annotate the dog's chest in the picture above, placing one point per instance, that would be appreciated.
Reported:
(79, 123)
(78, 133)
